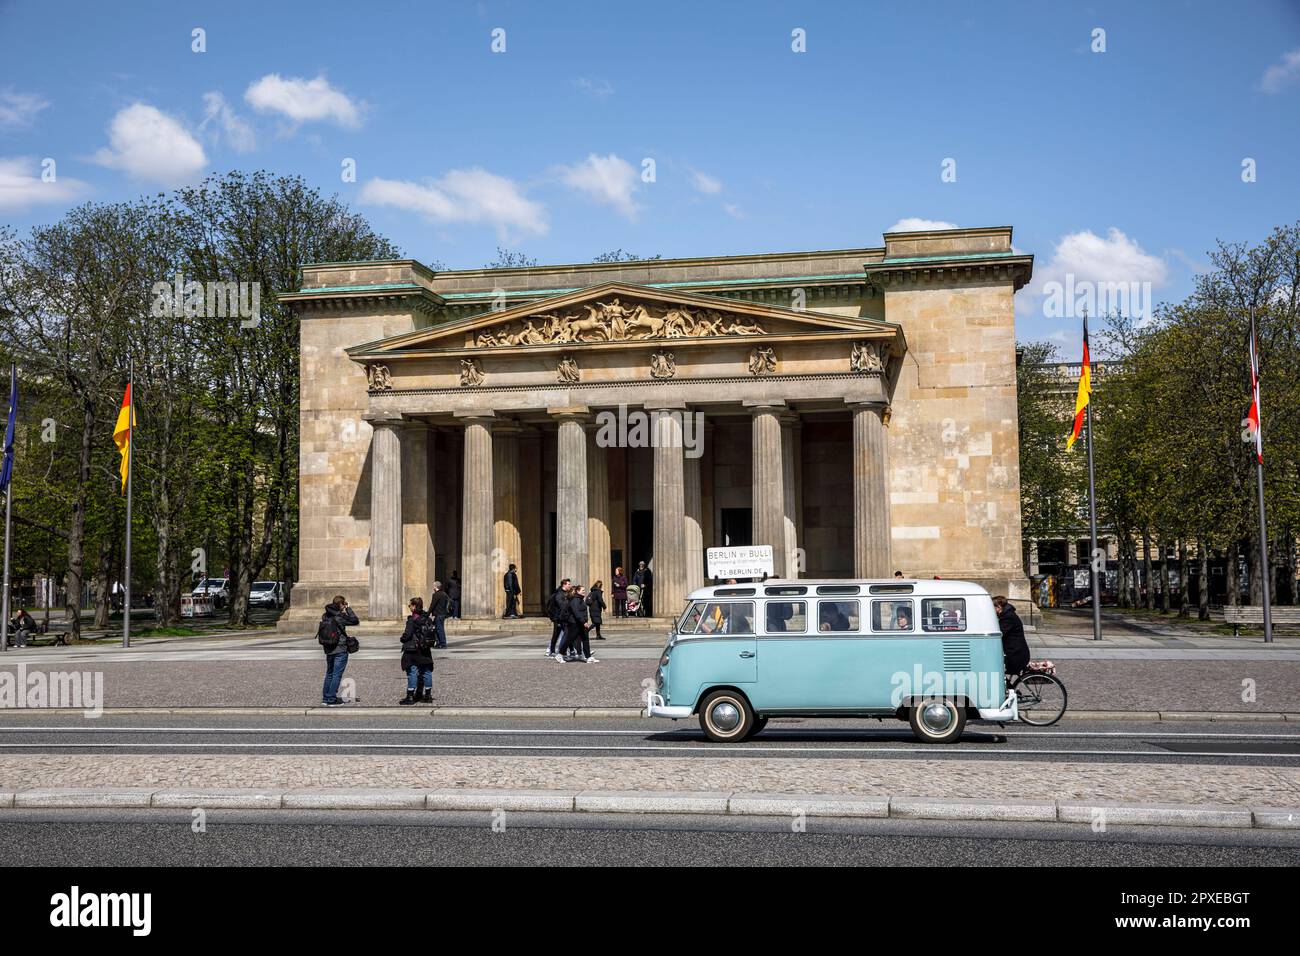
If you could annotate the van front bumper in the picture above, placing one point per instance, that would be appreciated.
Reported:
(1009, 710)
(655, 706)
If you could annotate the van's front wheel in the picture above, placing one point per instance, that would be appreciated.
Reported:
(937, 720)
(726, 717)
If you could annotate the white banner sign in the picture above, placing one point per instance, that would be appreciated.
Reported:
(747, 562)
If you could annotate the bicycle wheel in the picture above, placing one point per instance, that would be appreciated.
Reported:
(1042, 699)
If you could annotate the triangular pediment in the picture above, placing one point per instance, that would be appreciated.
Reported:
(616, 312)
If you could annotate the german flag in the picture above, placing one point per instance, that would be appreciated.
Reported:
(1084, 393)
(122, 434)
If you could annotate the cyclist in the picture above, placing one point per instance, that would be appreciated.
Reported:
(1015, 650)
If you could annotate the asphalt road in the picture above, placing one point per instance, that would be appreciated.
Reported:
(297, 838)
(1260, 743)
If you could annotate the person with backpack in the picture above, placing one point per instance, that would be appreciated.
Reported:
(555, 605)
(575, 646)
(418, 641)
(332, 635)
(439, 608)
(596, 605)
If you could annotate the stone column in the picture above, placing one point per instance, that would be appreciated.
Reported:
(530, 518)
(789, 507)
(506, 538)
(598, 555)
(418, 553)
(768, 481)
(693, 502)
(871, 529)
(668, 590)
(477, 581)
(386, 520)
(571, 555)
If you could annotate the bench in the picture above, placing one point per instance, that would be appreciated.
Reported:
(1254, 614)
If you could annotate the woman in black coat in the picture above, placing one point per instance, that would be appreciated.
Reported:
(417, 654)
(1015, 649)
(596, 605)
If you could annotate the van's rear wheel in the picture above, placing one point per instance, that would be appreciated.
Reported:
(726, 717)
(937, 720)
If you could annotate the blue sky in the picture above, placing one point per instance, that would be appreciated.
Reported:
(1112, 166)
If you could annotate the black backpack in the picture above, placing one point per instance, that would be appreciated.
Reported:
(553, 607)
(426, 635)
(327, 633)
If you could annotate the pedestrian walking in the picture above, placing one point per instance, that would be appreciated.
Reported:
(576, 646)
(453, 595)
(418, 641)
(643, 578)
(332, 635)
(555, 605)
(596, 608)
(439, 608)
(511, 583)
(618, 591)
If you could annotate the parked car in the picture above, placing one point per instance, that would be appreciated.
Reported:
(216, 588)
(267, 594)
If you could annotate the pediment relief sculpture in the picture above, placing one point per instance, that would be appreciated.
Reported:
(762, 361)
(378, 378)
(615, 321)
(663, 364)
(567, 370)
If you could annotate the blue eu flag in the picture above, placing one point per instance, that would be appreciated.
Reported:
(7, 469)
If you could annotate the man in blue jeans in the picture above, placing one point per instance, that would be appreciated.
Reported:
(333, 626)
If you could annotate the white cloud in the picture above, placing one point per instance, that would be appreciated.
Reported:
(462, 195)
(303, 100)
(21, 184)
(148, 144)
(734, 211)
(1281, 74)
(238, 134)
(595, 87)
(705, 183)
(913, 224)
(609, 180)
(1089, 257)
(18, 110)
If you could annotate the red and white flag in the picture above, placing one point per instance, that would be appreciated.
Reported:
(1252, 423)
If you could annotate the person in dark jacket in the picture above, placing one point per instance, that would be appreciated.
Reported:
(1015, 649)
(596, 607)
(417, 654)
(339, 617)
(644, 578)
(439, 608)
(453, 594)
(555, 606)
(511, 584)
(618, 591)
(576, 646)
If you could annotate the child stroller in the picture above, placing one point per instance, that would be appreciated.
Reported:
(634, 608)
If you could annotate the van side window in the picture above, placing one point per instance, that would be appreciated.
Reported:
(943, 614)
(691, 618)
(727, 617)
(787, 617)
(892, 616)
(837, 616)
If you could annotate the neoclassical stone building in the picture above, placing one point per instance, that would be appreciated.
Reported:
(855, 409)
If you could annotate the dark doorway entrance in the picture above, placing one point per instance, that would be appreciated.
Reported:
(737, 527)
(641, 539)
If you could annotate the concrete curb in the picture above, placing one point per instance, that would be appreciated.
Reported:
(585, 713)
(711, 803)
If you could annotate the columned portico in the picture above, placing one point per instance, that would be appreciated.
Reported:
(669, 588)
(386, 518)
(871, 528)
(693, 501)
(793, 557)
(507, 540)
(769, 507)
(571, 550)
(477, 518)
(598, 552)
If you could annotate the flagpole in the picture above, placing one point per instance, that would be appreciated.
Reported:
(130, 461)
(9, 503)
(1266, 572)
(1092, 532)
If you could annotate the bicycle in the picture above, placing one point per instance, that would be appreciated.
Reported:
(1040, 695)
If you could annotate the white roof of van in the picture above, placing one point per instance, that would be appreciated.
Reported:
(922, 587)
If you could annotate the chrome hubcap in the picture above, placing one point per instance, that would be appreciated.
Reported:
(725, 715)
(936, 717)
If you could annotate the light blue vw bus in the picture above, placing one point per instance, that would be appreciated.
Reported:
(928, 652)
